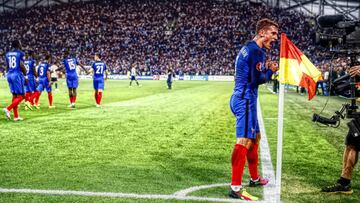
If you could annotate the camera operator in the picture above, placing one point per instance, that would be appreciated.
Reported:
(350, 157)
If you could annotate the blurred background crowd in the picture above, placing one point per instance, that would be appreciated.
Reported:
(191, 37)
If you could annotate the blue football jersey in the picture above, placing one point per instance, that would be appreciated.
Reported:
(250, 71)
(42, 70)
(29, 65)
(70, 67)
(99, 68)
(13, 60)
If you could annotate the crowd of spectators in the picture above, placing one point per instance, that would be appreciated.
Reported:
(192, 37)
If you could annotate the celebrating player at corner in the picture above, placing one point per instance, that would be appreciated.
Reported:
(99, 69)
(250, 73)
(15, 76)
(72, 80)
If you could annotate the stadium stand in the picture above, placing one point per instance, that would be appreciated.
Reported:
(192, 37)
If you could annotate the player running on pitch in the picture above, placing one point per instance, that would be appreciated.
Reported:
(250, 72)
(16, 77)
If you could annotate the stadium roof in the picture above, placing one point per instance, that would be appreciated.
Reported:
(350, 8)
(8, 5)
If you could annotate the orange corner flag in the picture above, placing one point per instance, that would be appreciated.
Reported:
(296, 68)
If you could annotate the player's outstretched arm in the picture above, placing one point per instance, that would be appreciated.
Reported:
(82, 66)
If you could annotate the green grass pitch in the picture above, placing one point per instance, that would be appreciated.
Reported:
(150, 140)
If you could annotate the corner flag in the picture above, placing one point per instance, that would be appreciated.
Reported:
(296, 68)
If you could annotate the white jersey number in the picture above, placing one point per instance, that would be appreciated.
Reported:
(12, 61)
(41, 71)
(99, 69)
(27, 68)
(72, 65)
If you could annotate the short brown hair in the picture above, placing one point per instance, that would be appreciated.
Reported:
(264, 24)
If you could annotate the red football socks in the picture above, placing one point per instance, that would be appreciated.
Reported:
(16, 113)
(96, 97)
(72, 99)
(238, 160)
(50, 98)
(37, 97)
(253, 160)
(34, 98)
(99, 98)
(15, 101)
(27, 96)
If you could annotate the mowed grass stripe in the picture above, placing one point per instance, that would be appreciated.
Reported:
(181, 140)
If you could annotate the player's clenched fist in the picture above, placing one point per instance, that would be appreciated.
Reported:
(273, 66)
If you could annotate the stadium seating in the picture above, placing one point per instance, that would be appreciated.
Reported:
(192, 37)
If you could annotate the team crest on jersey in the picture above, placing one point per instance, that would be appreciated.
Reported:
(259, 66)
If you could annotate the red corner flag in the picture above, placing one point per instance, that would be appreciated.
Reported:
(296, 68)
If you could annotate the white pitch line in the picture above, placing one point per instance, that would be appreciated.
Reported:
(267, 167)
(196, 188)
(121, 195)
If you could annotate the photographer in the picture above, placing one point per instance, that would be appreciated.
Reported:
(350, 157)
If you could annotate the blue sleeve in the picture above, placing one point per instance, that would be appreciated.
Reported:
(265, 76)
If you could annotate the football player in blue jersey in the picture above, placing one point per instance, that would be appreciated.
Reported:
(16, 77)
(44, 82)
(99, 70)
(251, 70)
(30, 87)
(72, 81)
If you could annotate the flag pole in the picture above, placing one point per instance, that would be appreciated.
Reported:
(279, 142)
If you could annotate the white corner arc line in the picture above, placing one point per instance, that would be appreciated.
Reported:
(185, 192)
(267, 167)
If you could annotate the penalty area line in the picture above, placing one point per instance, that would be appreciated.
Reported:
(119, 195)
